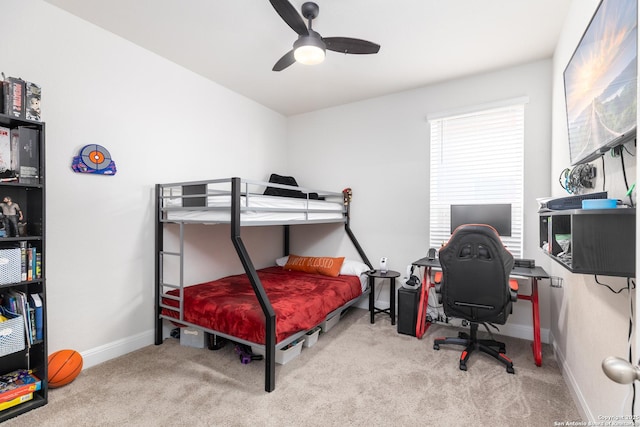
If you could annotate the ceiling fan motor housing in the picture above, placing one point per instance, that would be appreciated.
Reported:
(313, 39)
(310, 10)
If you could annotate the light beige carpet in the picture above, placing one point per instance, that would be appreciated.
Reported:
(357, 374)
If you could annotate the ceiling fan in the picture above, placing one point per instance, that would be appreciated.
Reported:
(310, 47)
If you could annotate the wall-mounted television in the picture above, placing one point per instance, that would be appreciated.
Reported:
(600, 82)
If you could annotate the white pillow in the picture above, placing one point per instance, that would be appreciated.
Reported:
(349, 267)
(353, 268)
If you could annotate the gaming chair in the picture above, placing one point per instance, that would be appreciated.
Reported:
(475, 286)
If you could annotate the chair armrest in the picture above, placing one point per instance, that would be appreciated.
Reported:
(513, 289)
(437, 277)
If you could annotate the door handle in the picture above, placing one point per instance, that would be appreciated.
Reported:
(620, 370)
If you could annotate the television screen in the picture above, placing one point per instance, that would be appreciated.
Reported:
(600, 82)
(496, 215)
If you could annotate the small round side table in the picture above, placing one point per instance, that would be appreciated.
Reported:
(391, 311)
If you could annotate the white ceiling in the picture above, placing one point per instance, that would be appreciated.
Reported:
(236, 43)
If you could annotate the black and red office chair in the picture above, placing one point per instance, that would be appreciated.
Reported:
(476, 287)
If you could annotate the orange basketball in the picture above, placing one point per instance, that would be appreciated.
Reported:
(64, 367)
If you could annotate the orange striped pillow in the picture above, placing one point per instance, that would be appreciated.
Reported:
(320, 265)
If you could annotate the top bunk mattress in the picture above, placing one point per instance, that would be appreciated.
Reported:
(211, 202)
(258, 208)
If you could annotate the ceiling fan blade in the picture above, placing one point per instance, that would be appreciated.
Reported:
(285, 61)
(349, 45)
(289, 14)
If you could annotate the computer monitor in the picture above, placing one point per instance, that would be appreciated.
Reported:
(496, 215)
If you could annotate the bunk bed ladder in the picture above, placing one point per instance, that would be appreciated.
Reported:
(265, 304)
(159, 243)
(159, 273)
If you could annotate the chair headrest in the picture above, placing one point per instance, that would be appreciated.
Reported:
(486, 234)
(484, 229)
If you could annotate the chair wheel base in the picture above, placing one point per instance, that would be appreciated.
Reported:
(493, 348)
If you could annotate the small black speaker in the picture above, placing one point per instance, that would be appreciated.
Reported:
(408, 300)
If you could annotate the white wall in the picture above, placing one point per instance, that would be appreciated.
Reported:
(588, 322)
(380, 148)
(161, 123)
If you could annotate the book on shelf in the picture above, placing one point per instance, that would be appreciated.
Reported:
(14, 92)
(32, 322)
(23, 260)
(24, 156)
(9, 303)
(28, 155)
(30, 262)
(18, 400)
(35, 301)
(32, 96)
(38, 265)
(5, 151)
(18, 383)
(34, 259)
(15, 150)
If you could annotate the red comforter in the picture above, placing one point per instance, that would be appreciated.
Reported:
(300, 301)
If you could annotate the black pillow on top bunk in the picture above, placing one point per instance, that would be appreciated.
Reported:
(285, 192)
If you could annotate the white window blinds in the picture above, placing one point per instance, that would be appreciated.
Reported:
(477, 158)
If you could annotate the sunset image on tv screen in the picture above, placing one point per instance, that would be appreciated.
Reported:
(600, 82)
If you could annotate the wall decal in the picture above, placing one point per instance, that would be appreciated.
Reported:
(94, 158)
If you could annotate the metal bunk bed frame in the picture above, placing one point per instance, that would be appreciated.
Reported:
(199, 190)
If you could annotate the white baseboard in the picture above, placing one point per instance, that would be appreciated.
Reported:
(570, 379)
(121, 347)
(524, 332)
(115, 349)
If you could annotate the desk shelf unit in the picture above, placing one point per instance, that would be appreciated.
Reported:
(602, 241)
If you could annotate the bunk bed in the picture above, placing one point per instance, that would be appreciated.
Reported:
(243, 307)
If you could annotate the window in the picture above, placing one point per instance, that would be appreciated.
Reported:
(477, 157)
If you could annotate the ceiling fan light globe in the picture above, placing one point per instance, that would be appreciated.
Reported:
(309, 55)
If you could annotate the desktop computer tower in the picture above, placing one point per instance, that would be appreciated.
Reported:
(408, 300)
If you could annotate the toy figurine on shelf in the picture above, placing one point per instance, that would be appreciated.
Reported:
(11, 215)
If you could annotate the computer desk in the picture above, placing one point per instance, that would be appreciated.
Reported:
(533, 274)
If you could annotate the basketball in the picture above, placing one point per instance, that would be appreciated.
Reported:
(64, 367)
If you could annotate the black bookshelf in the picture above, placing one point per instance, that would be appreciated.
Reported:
(29, 194)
